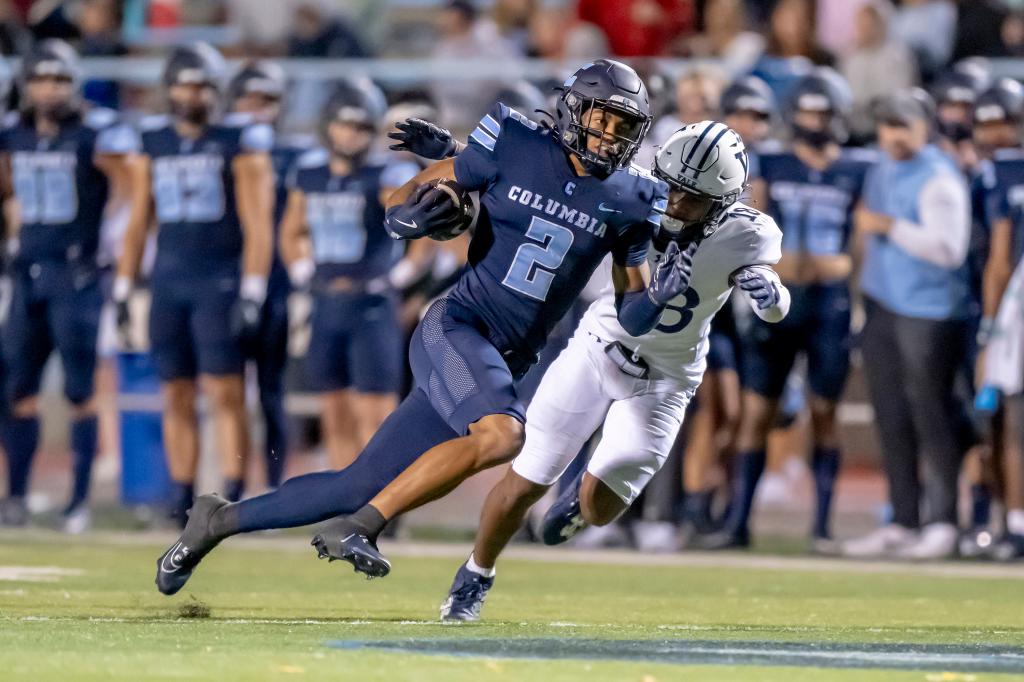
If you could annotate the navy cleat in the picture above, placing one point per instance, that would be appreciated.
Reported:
(720, 540)
(175, 566)
(355, 548)
(564, 519)
(466, 596)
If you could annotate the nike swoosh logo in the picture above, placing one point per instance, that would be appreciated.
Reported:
(607, 209)
(411, 224)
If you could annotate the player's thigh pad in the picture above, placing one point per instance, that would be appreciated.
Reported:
(376, 354)
(459, 369)
(327, 358)
(568, 407)
(219, 351)
(170, 335)
(638, 434)
(828, 346)
(27, 341)
(74, 316)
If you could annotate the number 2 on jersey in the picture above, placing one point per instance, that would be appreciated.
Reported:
(533, 268)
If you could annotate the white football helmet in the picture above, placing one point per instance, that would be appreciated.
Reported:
(705, 167)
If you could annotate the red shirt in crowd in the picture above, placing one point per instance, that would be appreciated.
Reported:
(640, 28)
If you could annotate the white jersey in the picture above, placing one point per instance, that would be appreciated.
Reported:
(678, 344)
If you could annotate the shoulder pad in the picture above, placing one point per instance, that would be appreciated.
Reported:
(523, 120)
(236, 119)
(1009, 154)
(313, 158)
(771, 146)
(10, 119)
(154, 122)
(297, 141)
(100, 117)
(639, 171)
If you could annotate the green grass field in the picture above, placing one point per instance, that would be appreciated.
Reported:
(264, 609)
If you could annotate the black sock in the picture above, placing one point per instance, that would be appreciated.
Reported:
(21, 437)
(748, 470)
(697, 508)
(234, 489)
(83, 449)
(182, 495)
(981, 505)
(368, 521)
(825, 467)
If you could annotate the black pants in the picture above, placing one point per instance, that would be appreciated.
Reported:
(911, 365)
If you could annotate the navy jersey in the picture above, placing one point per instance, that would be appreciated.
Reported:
(345, 216)
(814, 208)
(1005, 197)
(193, 188)
(542, 229)
(61, 193)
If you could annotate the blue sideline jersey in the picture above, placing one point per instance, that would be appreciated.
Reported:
(61, 193)
(814, 208)
(193, 189)
(542, 229)
(1004, 198)
(345, 216)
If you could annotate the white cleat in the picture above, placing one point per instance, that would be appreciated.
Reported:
(599, 537)
(657, 536)
(78, 521)
(884, 542)
(935, 541)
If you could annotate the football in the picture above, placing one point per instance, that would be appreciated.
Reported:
(463, 200)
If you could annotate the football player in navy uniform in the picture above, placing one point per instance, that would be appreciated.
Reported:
(811, 191)
(58, 161)
(257, 91)
(554, 201)
(333, 241)
(212, 192)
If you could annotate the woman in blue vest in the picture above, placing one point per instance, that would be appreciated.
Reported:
(915, 225)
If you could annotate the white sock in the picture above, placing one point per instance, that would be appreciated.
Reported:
(1015, 521)
(479, 570)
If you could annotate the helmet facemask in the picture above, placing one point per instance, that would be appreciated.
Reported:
(604, 135)
(691, 215)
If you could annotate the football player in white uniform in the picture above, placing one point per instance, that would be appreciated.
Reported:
(637, 387)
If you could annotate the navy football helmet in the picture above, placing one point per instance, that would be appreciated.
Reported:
(612, 87)
(357, 102)
(52, 58)
(748, 93)
(823, 91)
(258, 77)
(196, 64)
(1002, 102)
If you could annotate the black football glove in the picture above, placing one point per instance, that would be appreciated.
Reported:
(426, 210)
(246, 314)
(423, 138)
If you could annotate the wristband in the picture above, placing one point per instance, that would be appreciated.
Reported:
(985, 331)
(301, 272)
(122, 289)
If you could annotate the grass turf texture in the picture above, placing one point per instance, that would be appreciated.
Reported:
(267, 610)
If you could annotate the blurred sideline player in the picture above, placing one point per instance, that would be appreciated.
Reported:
(554, 201)
(333, 240)
(58, 162)
(811, 191)
(212, 192)
(257, 91)
(748, 107)
(637, 387)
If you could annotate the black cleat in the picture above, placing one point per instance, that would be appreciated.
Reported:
(175, 566)
(466, 596)
(723, 539)
(355, 548)
(13, 512)
(564, 519)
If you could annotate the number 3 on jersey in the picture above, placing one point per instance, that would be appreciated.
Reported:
(533, 268)
(685, 312)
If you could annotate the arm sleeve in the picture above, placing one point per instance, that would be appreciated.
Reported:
(942, 235)
(397, 174)
(476, 167)
(256, 138)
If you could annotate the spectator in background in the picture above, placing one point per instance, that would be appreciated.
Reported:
(697, 94)
(927, 27)
(640, 28)
(512, 19)
(99, 23)
(837, 24)
(877, 65)
(316, 34)
(915, 226)
(979, 25)
(726, 37)
(14, 37)
(466, 37)
(556, 33)
(792, 51)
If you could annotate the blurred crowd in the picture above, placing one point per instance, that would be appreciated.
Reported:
(882, 144)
